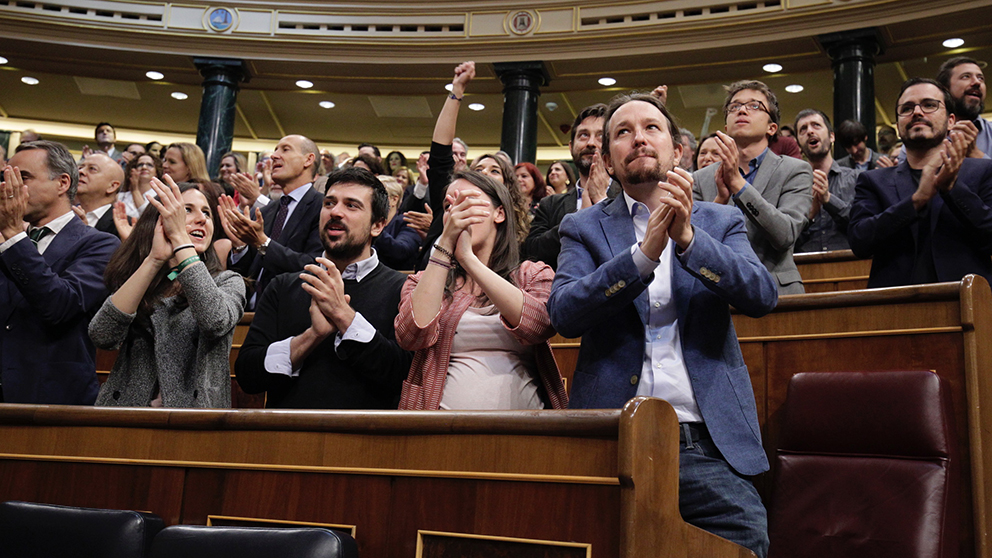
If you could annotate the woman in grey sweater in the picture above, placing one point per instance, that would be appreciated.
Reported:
(173, 310)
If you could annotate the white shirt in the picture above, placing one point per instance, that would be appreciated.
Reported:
(663, 373)
(134, 211)
(93, 217)
(278, 358)
(55, 225)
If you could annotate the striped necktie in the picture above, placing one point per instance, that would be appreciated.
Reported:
(37, 234)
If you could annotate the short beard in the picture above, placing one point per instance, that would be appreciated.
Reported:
(581, 165)
(962, 112)
(923, 144)
(654, 174)
(348, 250)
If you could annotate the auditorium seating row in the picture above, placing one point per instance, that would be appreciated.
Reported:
(561, 482)
(30, 529)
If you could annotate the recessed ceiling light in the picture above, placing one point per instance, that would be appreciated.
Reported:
(179, 96)
(304, 84)
(154, 75)
(29, 80)
(607, 81)
(449, 87)
(3, 60)
(772, 68)
(794, 88)
(476, 106)
(953, 43)
(326, 104)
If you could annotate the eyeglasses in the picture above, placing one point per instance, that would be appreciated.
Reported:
(928, 106)
(750, 106)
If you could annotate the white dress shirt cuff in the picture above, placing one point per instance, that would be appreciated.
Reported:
(236, 254)
(278, 359)
(12, 241)
(419, 190)
(645, 265)
(261, 202)
(360, 330)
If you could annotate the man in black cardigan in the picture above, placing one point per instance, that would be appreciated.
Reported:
(324, 339)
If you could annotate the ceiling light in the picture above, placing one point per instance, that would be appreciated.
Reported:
(449, 87)
(29, 80)
(154, 75)
(304, 84)
(607, 81)
(179, 96)
(476, 106)
(794, 88)
(3, 60)
(551, 105)
(953, 43)
(326, 104)
(772, 68)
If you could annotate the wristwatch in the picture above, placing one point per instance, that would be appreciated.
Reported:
(264, 246)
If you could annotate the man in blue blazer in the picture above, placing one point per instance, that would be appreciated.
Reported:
(649, 295)
(272, 245)
(929, 218)
(51, 282)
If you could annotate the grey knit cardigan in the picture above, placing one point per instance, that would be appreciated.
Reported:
(188, 353)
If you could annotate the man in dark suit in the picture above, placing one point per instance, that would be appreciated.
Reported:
(542, 243)
(51, 281)
(929, 218)
(324, 339)
(853, 138)
(773, 192)
(283, 237)
(99, 179)
(646, 280)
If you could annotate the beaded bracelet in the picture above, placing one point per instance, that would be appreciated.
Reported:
(444, 251)
(182, 265)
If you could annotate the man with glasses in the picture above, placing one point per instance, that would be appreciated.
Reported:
(775, 193)
(928, 219)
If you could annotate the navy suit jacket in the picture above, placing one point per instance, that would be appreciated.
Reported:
(46, 302)
(598, 294)
(884, 224)
(298, 244)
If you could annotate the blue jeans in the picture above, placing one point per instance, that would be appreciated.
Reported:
(713, 497)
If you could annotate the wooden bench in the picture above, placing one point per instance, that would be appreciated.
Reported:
(548, 484)
(838, 270)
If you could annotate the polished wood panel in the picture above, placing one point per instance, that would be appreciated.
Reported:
(431, 544)
(838, 270)
(605, 478)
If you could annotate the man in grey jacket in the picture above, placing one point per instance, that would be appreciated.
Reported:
(775, 193)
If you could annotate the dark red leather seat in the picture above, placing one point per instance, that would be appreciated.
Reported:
(867, 466)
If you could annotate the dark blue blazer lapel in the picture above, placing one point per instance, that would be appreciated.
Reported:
(618, 227)
(300, 212)
(63, 242)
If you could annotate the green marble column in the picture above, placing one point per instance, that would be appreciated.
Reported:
(522, 83)
(221, 81)
(853, 56)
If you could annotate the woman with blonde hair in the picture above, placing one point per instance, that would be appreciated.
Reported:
(185, 162)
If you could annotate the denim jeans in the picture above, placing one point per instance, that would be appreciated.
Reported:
(713, 497)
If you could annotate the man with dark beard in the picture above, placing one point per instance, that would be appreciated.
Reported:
(324, 339)
(833, 186)
(542, 243)
(963, 78)
(929, 218)
(646, 280)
